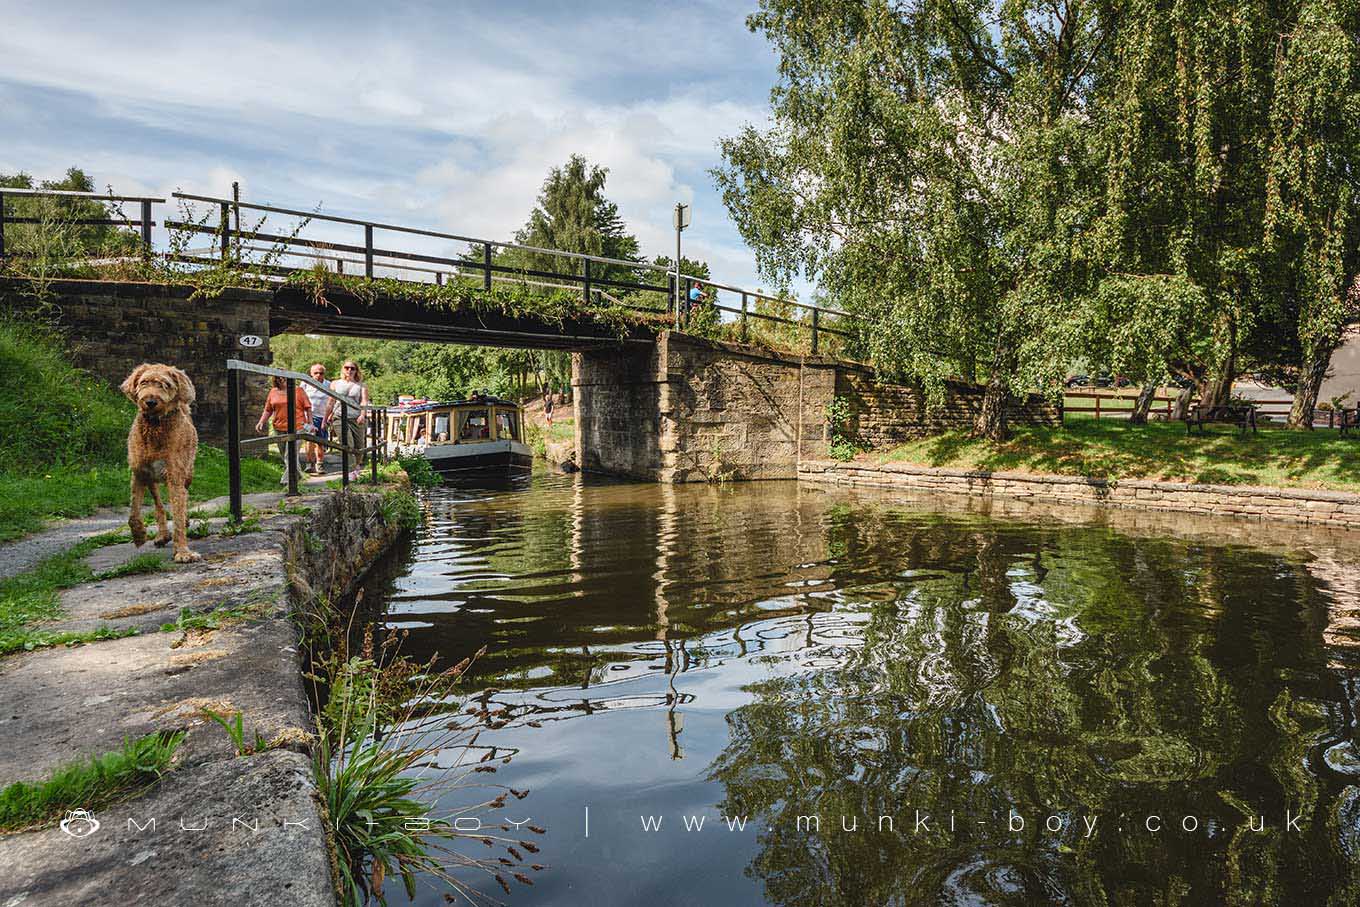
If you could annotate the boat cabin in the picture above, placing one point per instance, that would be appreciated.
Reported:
(475, 420)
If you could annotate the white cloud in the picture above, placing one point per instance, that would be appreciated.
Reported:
(449, 124)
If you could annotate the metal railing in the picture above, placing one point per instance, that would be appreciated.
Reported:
(144, 222)
(592, 275)
(479, 264)
(376, 430)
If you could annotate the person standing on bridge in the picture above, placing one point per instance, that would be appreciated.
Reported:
(350, 385)
(696, 298)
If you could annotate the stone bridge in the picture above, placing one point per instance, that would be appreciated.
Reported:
(652, 404)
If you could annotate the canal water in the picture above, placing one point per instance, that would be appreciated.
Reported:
(768, 693)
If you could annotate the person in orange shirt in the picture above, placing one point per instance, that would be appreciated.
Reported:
(276, 414)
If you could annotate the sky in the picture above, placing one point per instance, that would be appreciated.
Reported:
(445, 116)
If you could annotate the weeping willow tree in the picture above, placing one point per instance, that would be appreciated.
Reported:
(1229, 145)
(1312, 221)
(1157, 186)
(929, 165)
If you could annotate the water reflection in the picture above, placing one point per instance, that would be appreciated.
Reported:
(765, 651)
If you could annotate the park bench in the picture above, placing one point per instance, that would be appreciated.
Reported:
(1350, 418)
(1240, 414)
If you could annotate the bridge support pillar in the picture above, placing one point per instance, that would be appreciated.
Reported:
(689, 409)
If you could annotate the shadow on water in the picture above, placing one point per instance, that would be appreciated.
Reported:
(816, 662)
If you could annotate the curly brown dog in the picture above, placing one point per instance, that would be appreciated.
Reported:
(161, 448)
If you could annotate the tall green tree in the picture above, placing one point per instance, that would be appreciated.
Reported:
(929, 164)
(573, 214)
(1312, 222)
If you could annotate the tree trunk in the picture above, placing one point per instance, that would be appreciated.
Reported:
(1316, 359)
(1139, 416)
(1218, 391)
(991, 418)
(1182, 404)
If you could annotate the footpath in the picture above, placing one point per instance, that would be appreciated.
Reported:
(211, 636)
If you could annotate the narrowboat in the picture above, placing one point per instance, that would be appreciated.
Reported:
(477, 436)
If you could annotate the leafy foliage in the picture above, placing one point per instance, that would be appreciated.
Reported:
(1003, 188)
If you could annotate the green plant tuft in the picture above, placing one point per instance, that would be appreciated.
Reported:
(89, 784)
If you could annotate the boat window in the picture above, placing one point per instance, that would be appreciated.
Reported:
(473, 425)
(441, 427)
(399, 428)
(417, 427)
(505, 425)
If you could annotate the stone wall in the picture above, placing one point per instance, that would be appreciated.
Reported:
(691, 409)
(688, 409)
(618, 424)
(1335, 509)
(327, 553)
(884, 414)
(110, 328)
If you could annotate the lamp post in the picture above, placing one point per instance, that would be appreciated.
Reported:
(682, 220)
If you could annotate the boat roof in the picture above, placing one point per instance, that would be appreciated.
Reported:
(427, 405)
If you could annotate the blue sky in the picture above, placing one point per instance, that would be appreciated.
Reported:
(439, 115)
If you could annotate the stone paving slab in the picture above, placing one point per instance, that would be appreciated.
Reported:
(235, 571)
(225, 863)
(96, 695)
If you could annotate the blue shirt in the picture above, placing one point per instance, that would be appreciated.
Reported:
(694, 294)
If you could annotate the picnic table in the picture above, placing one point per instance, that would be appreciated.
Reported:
(1242, 415)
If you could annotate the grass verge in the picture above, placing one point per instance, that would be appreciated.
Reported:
(28, 502)
(35, 595)
(1163, 451)
(90, 784)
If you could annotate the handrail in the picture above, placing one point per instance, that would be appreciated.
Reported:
(674, 288)
(376, 427)
(144, 221)
(417, 231)
(70, 193)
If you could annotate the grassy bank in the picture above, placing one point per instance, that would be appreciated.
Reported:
(63, 439)
(1163, 451)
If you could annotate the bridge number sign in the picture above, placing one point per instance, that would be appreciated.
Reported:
(251, 341)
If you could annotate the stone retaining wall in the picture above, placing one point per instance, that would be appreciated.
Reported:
(111, 327)
(883, 414)
(1335, 509)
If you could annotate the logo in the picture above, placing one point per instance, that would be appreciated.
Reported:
(250, 341)
(79, 823)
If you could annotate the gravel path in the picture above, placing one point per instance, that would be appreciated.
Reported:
(25, 553)
(21, 555)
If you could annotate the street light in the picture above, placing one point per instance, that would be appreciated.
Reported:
(682, 220)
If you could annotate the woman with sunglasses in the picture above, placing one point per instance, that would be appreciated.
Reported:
(350, 385)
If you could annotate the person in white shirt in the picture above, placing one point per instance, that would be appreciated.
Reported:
(321, 410)
(350, 385)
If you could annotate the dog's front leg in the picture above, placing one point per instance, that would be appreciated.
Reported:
(179, 502)
(135, 517)
(162, 530)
